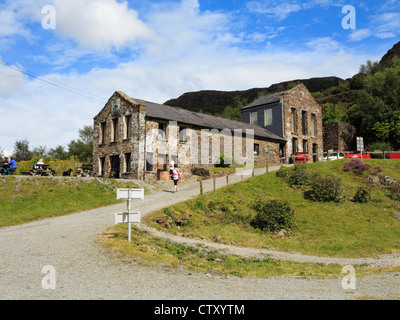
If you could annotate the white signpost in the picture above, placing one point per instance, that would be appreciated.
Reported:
(129, 217)
(360, 144)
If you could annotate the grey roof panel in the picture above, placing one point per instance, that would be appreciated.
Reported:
(165, 112)
(271, 98)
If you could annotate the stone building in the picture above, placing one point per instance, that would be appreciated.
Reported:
(294, 116)
(339, 136)
(137, 139)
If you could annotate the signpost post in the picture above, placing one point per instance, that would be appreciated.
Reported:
(129, 217)
(360, 145)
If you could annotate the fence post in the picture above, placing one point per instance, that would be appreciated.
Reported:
(227, 179)
(214, 185)
(201, 186)
(266, 165)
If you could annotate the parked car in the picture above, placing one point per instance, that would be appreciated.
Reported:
(357, 155)
(333, 156)
(301, 157)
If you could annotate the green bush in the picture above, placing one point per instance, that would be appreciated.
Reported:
(395, 191)
(282, 172)
(379, 146)
(273, 215)
(299, 175)
(363, 195)
(224, 161)
(325, 189)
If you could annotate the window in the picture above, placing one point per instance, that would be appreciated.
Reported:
(102, 166)
(305, 146)
(127, 162)
(304, 122)
(256, 149)
(115, 106)
(182, 135)
(102, 132)
(162, 131)
(294, 121)
(149, 161)
(268, 117)
(294, 146)
(162, 162)
(114, 132)
(254, 118)
(314, 125)
(128, 126)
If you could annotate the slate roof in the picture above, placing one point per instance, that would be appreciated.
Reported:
(161, 111)
(271, 98)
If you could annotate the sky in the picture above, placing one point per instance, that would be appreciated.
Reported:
(61, 60)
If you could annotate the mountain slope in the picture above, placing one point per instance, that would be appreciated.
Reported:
(332, 90)
(214, 102)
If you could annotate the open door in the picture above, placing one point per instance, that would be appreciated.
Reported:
(115, 167)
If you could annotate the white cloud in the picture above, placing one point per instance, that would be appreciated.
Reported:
(11, 80)
(280, 11)
(187, 50)
(323, 44)
(100, 24)
(360, 34)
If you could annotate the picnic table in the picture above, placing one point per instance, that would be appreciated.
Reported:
(3, 169)
(43, 170)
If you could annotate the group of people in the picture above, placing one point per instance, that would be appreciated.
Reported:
(9, 165)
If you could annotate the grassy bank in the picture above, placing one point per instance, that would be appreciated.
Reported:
(346, 229)
(23, 200)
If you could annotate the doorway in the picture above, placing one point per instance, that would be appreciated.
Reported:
(315, 151)
(115, 167)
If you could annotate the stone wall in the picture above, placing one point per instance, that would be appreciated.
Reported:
(339, 136)
(159, 140)
(301, 100)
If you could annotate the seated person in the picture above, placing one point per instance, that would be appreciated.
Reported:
(13, 166)
(37, 165)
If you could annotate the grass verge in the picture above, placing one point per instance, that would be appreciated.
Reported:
(23, 200)
(150, 251)
(345, 229)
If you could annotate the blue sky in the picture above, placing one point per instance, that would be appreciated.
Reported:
(158, 50)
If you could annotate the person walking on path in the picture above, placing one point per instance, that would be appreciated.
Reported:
(176, 177)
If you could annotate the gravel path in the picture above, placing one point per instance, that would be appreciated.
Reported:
(84, 270)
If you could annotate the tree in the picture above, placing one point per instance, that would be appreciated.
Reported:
(21, 150)
(59, 153)
(376, 113)
(333, 113)
(83, 147)
(39, 152)
(369, 68)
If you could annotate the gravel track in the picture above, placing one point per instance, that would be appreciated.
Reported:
(85, 270)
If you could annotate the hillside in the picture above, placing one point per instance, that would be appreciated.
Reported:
(332, 90)
(214, 102)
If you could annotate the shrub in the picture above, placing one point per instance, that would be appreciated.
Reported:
(224, 161)
(325, 189)
(299, 175)
(363, 195)
(395, 191)
(380, 146)
(282, 173)
(356, 166)
(201, 172)
(273, 215)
